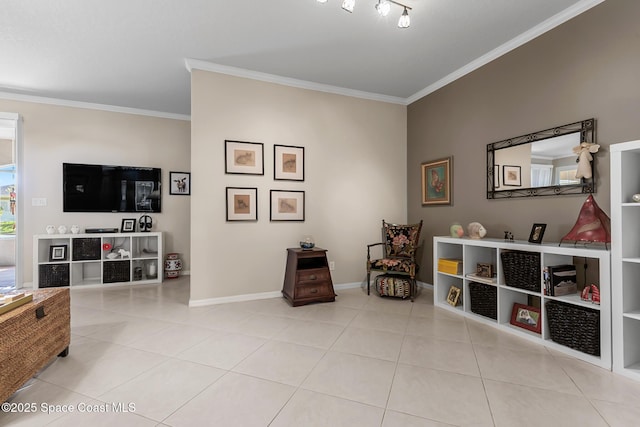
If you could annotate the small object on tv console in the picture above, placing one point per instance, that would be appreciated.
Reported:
(101, 230)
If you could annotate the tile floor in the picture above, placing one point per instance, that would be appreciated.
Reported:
(361, 361)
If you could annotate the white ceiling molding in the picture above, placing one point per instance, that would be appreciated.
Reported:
(92, 106)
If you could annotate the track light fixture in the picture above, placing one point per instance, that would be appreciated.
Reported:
(383, 7)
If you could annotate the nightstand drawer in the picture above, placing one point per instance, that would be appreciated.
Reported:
(313, 276)
(314, 290)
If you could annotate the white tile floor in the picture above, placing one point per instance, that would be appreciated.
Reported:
(361, 361)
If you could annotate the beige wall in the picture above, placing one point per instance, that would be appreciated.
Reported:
(55, 134)
(355, 175)
(587, 67)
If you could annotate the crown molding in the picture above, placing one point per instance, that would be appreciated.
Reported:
(92, 106)
(192, 64)
(527, 36)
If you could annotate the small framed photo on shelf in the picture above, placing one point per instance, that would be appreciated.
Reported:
(180, 183)
(537, 231)
(128, 225)
(484, 270)
(453, 297)
(511, 176)
(288, 163)
(526, 317)
(58, 253)
(244, 157)
(287, 205)
(242, 204)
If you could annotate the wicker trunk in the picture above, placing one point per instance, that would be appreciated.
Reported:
(31, 335)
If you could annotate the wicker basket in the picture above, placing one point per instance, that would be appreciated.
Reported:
(51, 275)
(392, 285)
(116, 271)
(522, 270)
(86, 249)
(484, 299)
(574, 326)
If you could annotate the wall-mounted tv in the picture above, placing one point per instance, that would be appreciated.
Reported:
(102, 188)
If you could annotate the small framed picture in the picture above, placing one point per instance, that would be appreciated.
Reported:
(436, 182)
(180, 183)
(453, 298)
(242, 204)
(484, 269)
(511, 176)
(244, 157)
(288, 163)
(537, 231)
(526, 317)
(287, 205)
(128, 225)
(58, 253)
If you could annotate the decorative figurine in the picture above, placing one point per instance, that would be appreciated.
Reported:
(62, 229)
(476, 230)
(51, 229)
(584, 151)
(456, 230)
(75, 229)
(592, 225)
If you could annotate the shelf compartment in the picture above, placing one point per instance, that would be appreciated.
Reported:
(85, 273)
(444, 284)
(53, 275)
(44, 246)
(84, 249)
(483, 299)
(508, 297)
(116, 271)
(631, 355)
(574, 326)
(630, 287)
(144, 247)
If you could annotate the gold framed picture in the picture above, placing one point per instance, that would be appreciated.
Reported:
(453, 298)
(436, 182)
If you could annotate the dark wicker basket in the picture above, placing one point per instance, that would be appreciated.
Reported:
(574, 326)
(484, 299)
(522, 270)
(86, 249)
(51, 275)
(116, 271)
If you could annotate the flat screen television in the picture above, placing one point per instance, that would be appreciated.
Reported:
(102, 188)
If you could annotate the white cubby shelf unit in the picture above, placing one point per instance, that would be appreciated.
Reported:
(82, 260)
(488, 251)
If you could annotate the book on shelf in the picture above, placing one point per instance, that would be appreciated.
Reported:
(560, 280)
(450, 266)
(12, 301)
(490, 280)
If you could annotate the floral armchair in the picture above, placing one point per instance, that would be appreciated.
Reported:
(399, 252)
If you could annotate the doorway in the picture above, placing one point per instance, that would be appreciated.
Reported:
(10, 241)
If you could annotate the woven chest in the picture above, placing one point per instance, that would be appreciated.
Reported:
(391, 285)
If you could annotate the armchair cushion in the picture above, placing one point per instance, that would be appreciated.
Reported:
(401, 240)
(397, 265)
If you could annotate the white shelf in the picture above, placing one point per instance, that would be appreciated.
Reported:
(473, 251)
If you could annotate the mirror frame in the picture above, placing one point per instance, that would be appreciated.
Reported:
(587, 129)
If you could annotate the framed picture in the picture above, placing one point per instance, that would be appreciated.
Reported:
(436, 182)
(496, 176)
(242, 204)
(453, 298)
(288, 163)
(526, 317)
(244, 157)
(511, 176)
(287, 205)
(180, 183)
(537, 231)
(484, 269)
(128, 225)
(58, 253)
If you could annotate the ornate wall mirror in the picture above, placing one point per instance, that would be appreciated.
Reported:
(541, 163)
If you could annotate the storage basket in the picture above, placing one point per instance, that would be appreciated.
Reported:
(521, 270)
(86, 249)
(51, 275)
(484, 299)
(116, 271)
(393, 285)
(574, 326)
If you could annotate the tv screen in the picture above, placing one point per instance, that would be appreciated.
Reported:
(102, 188)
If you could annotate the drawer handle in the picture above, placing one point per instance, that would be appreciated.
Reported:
(40, 313)
(314, 291)
(312, 277)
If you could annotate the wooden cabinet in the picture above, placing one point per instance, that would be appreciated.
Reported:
(307, 278)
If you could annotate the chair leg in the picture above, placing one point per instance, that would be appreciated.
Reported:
(368, 281)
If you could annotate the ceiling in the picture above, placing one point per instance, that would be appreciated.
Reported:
(132, 54)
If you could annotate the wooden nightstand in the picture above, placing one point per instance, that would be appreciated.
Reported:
(307, 277)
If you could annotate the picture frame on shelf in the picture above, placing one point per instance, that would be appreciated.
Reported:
(180, 183)
(287, 205)
(453, 297)
(436, 182)
(57, 253)
(242, 204)
(511, 176)
(128, 225)
(484, 269)
(537, 231)
(245, 158)
(288, 163)
(526, 317)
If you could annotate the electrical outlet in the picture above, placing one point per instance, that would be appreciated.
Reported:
(332, 265)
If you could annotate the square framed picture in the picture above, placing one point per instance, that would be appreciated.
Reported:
(180, 183)
(453, 297)
(288, 163)
(242, 204)
(511, 176)
(244, 157)
(58, 253)
(436, 182)
(128, 225)
(537, 231)
(287, 205)
(526, 317)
